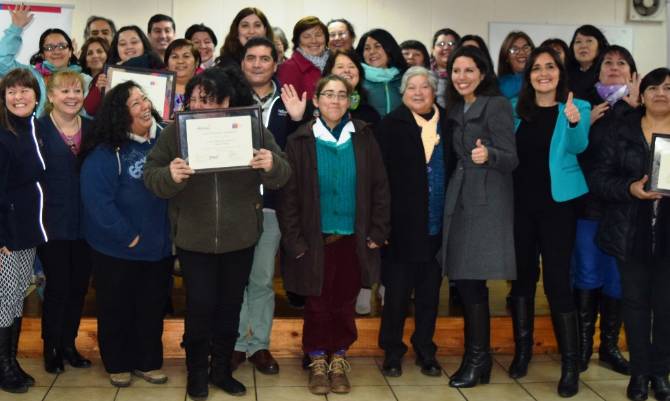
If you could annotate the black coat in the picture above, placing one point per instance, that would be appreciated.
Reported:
(399, 138)
(619, 162)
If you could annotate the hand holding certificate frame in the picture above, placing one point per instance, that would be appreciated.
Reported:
(219, 140)
(159, 86)
(660, 164)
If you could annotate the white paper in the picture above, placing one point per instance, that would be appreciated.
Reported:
(153, 86)
(219, 142)
(664, 171)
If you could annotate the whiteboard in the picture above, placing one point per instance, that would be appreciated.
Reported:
(616, 35)
(46, 16)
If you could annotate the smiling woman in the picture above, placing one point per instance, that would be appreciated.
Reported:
(182, 58)
(512, 59)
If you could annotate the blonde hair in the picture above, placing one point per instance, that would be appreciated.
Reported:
(58, 80)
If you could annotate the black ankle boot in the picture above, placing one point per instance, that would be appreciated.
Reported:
(53, 359)
(567, 333)
(523, 314)
(10, 378)
(74, 358)
(587, 308)
(638, 388)
(220, 373)
(476, 365)
(610, 326)
(16, 332)
(196, 385)
(661, 387)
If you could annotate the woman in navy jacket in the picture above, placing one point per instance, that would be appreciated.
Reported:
(21, 229)
(65, 256)
(551, 130)
(127, 229)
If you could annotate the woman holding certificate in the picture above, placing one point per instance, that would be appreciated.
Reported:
(334, 216)
(216, 221)
(635, 228)
(551, 130)
(127, 229)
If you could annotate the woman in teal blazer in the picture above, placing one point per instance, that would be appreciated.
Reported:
(551, 130)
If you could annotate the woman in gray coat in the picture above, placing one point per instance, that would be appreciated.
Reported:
(478, 240)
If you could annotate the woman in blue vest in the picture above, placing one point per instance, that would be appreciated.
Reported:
(551, 130)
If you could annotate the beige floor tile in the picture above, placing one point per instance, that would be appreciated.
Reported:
(364, 393)
(497, 392)
(506, 359)
(411, 375)
(498, 374)
(444, 359)
(427, 393)
(547, 392)
(216, 394)
(35, 368)
(33, 394)
(366, 375)
(81, 394)
(286, 394)
(151, 394)
(245, 374)
(289, 375)
(361, 360)
(598, 372)
(542, 372)
(611, 390)
(176, 377)
(95, 376)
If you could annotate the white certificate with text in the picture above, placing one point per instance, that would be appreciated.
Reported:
(219, 142)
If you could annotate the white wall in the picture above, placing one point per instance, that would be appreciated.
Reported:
(406, 19)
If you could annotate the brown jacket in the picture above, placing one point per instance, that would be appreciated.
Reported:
(299, 211)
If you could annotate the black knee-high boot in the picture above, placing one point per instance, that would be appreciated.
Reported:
(220, 372)
(610, 326)
(523, 315)
(16, 332)
(10, 378)
(587, 307)
(477, 363)
(567, 333)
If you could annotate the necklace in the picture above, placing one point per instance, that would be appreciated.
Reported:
(70, 139)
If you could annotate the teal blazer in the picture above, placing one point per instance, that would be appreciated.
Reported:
(567, 178)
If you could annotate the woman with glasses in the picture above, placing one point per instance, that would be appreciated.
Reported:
(384, 65)
(512, 60)
(55, 52)
(341, 35)
(444, 42)
(332, 227)
(586, 46)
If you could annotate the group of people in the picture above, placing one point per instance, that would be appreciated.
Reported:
(381, 163)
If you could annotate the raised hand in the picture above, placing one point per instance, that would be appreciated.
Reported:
(571, 111)
(598, 111)
(480, 154)
(21, 15)
(295, 105)
(633, 97)
(180, 170)
(637, 190)
(101, 83)
(262, 160)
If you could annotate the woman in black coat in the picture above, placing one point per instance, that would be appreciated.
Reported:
(636, 229)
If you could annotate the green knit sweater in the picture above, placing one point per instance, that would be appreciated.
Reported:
(336, 167)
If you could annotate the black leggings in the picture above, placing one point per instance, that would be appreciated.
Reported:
(550, 230)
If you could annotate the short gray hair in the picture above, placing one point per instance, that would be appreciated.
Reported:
(415, 71)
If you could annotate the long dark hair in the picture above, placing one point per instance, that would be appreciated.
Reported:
(114, 46)
(84, 49)
(39, 56)
(526, 106)
(389, 44)
(16, 77)
(504, 66)
(487, 87)
(586, 30)
(232, 48)
(113, 120)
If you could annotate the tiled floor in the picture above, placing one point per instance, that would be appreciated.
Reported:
(368, 384)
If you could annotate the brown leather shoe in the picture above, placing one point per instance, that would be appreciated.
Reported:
(237, 359)
(319, 383)
(264, 362)
(337, 372)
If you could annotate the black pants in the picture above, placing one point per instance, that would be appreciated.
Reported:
(131, 297)
(67, 267)
(646, 315)
(214, 293)
(400, 278)
(550, 230)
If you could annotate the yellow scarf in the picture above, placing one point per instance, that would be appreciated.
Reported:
(429, 135)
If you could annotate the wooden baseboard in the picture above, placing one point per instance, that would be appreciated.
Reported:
(287, 333)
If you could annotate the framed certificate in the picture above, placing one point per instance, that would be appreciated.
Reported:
(159, 86)
(221, 139)
(659, 177)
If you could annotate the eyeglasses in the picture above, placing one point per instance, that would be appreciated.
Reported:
(338, 35)
(330, 95)
(522, 49)
(58, 46)
(445, 45)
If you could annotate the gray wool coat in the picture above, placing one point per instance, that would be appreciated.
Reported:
(478, 240)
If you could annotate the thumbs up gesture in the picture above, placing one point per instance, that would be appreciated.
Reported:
(480, 154)
(571, 112)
